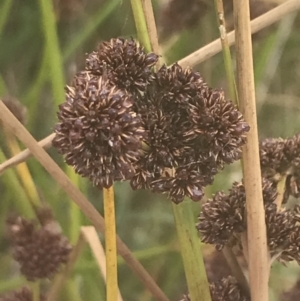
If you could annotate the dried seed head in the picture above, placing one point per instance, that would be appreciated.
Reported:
(280, 158)
(124, 62)
(39, 251)
(98, 132)
(292, 246)
(280, 224)
(179, 85)
(272, 157)
(226, 289)
(220, 124)
(23, 294)
(223, 217)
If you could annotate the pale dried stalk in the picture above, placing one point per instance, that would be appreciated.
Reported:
(77, 196)
(87, 235)
(256, 227)
(91, 237)
(257, 24)
(151, 26)
(25, 154)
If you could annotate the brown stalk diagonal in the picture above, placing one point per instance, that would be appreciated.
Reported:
(256, 227)
(191, 60)
(87, 208)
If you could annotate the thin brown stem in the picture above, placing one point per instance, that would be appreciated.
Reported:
(256, 227)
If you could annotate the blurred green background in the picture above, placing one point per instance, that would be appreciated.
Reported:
(43, 44)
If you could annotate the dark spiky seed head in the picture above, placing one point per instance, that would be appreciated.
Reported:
(226, 289)
(126, 64)
(98, 132)
(22, 294)
(280, 224)
(221, 125)
(223, 217)
(39, 251)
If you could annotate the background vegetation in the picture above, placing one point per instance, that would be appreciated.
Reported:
(42, 45)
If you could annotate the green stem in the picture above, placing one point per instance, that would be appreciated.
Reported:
(53, 51)
(141, 24)
(226, 51)
(4, 13)
(191, 252)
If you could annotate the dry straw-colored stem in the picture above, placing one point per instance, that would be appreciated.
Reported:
(25, 154)
(77, 196)
(92, 238)
(257, 24)
(256, 227)
(110, 245)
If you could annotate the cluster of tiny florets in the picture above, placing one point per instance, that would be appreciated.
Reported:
(280, 159)
(22, 294)
(166, 131)
(40, 251)
(223, 218)
(226, 289)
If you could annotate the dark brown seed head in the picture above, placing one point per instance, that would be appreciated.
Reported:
(226, 289)
(98, 132)
(223, 217)
(124, 62)
(220, 123)
(23, 294)
(39, 251)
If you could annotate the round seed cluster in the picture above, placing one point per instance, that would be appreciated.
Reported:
(39, 251)
(280, 158)
(125, 63)
(223, 217)
(22, 294)
(226, 289)
(166, 131)
(191, 132)
(99, 133)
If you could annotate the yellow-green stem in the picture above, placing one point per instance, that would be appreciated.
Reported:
(141, 24)
(280, 190)
(191, 253)
(110, 245)
(23, 171)
(36, 290)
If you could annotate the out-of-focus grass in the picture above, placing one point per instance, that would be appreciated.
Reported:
(38, 57)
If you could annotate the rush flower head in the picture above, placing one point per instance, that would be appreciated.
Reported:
(22, 294)
(223, 217)
(126, 64)
(191, 132)
(226, 289)
(280, 159)
(98, 132)
(39, 251)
